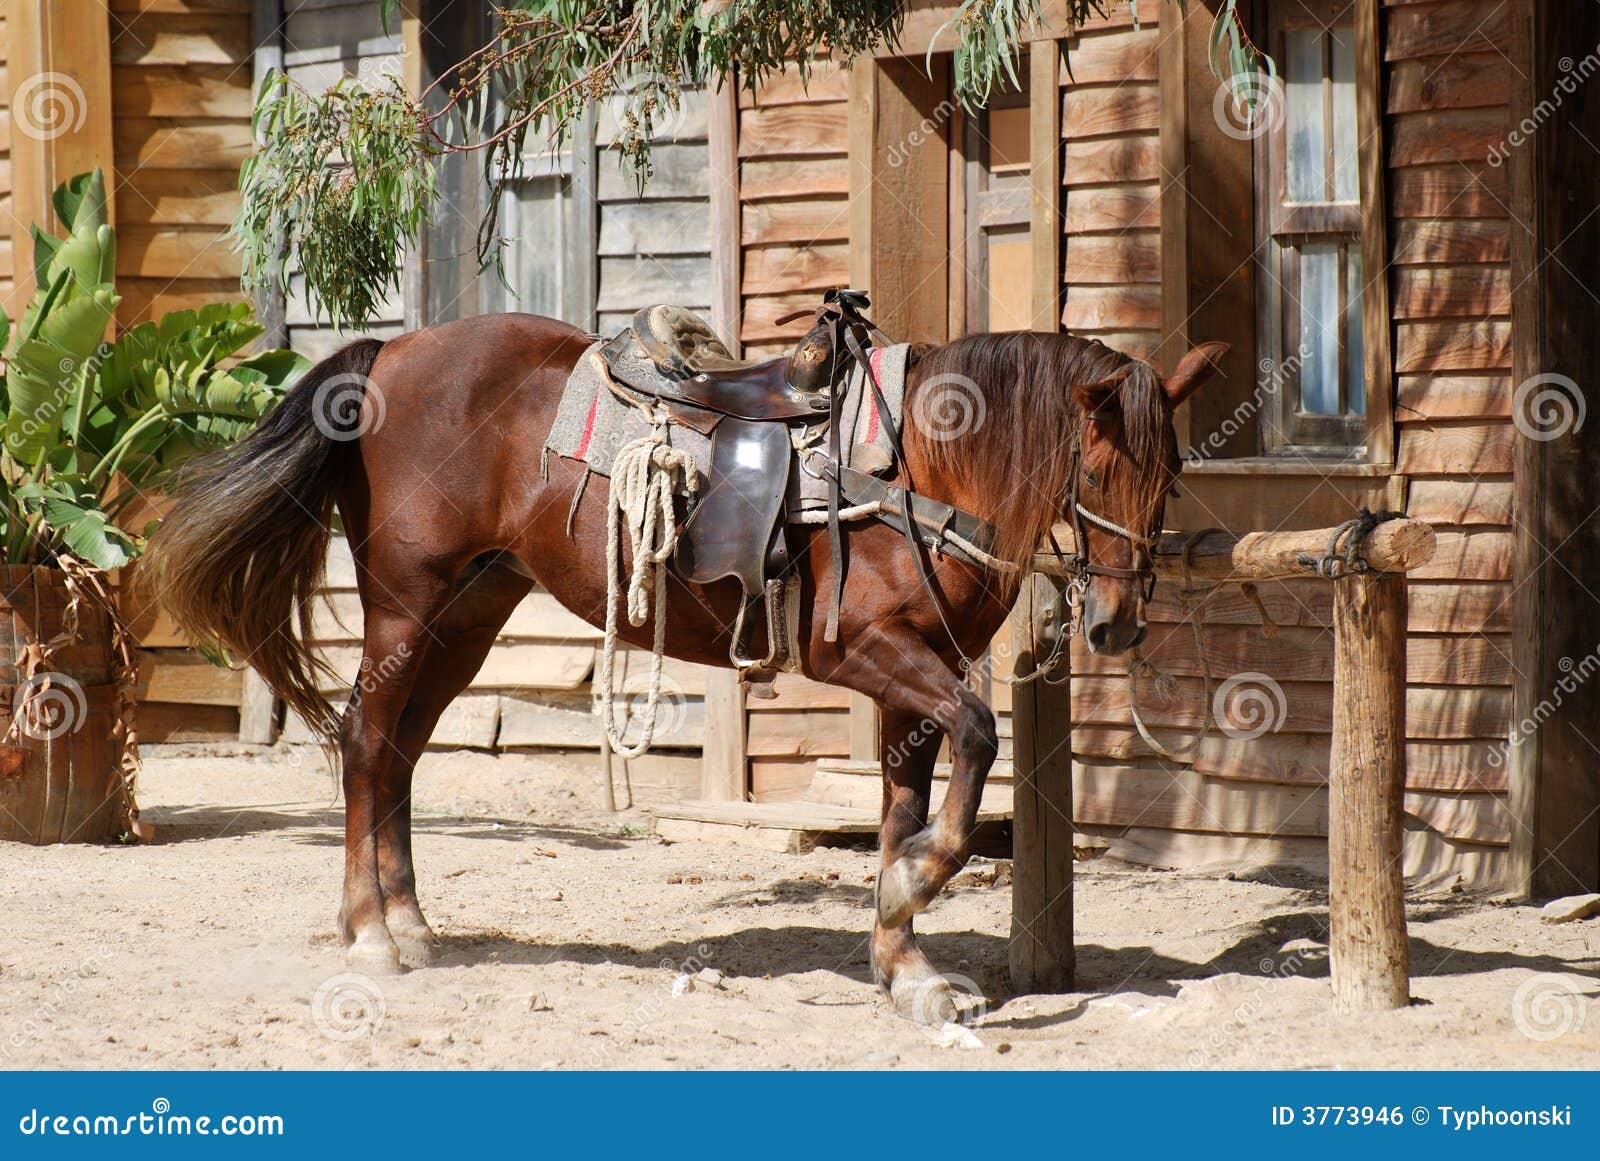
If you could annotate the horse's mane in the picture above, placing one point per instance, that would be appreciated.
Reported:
(1014, 457)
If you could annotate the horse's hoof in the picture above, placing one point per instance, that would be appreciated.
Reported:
(416, 950)
(411, 934)
(928, 1000)
(373, 956)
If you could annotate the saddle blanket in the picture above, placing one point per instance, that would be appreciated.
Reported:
(592, 424)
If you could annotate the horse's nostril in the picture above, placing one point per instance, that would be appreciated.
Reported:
(1099, 635)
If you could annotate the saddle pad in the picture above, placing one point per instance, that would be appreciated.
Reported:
(592, 424)
(863, 427)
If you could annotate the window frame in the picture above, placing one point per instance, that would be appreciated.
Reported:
(1208, 266)
(1283, 228)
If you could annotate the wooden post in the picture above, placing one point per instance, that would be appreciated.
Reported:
(724, 764)
(1044, 179)
(1555, 260)
(1367, 776)
(1042, 954)
(59, 75)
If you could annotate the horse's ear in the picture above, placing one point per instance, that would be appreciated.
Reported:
(1096, 398)
(1194, 371)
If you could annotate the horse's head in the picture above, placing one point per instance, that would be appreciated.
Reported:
(1126, 466)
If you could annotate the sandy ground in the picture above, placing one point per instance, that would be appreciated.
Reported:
(574, 939)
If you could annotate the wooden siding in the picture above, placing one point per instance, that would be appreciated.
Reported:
(1447, 104)
(654, 244)
(181, 92)
(1110, 176)
(794, 201)
(794, 219)
(8, 225)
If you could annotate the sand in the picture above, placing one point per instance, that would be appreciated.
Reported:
(572, 938)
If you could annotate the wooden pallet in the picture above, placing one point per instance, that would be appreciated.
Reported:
(859, 785)
(786, 827)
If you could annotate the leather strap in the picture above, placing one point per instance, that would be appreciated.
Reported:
(830, 630)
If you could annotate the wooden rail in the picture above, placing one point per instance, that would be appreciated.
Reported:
(1367, 951)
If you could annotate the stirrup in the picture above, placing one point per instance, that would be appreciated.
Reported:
(772, 597)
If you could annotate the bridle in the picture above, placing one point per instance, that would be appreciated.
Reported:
(1078, 568)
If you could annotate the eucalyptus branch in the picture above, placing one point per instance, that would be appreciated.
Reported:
(345, 181)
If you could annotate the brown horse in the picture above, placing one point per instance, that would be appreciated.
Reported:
(429, 446)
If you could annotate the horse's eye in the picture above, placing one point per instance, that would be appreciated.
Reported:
(1092, 479)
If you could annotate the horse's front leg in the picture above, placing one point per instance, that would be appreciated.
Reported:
(930, 857)
(922, 700)
(908, 747)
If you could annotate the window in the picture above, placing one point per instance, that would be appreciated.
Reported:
(1309, 288)
(996, 265)
(536, 214)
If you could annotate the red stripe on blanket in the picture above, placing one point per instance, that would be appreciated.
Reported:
(876, 361)
(588, 429)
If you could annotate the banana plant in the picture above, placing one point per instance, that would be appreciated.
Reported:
(89, 425)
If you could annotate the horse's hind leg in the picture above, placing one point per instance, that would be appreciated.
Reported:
(399, 617)
(460, 638)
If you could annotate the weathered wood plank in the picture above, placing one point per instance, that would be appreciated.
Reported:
(1461, 502)
(1422, 292)
(1449, 191)
(783, 269)
(654, 228)
(1447, 712)
(1114, 260)
(190, 90)
(1093, 111)
(1451, 241)
(1090, 308)
(1111, 58)
(762, 179)
(1112, 209)
(1453, 397)
(1456, 448)
(791, 130)
(1451, 29)
(1462, 81)
(1111, 159)
(804, 221)
(1467, 135)
(1455, 346)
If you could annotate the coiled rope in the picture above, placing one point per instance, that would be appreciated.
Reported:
(643, 478)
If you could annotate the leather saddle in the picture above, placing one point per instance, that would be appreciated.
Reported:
(748, 408)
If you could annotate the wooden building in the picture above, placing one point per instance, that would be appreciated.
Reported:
(1377, 246)
(1374, 247)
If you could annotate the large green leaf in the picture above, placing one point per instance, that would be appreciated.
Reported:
(45, 373)
(70, 509)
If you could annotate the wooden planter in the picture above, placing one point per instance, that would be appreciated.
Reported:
(60, 779)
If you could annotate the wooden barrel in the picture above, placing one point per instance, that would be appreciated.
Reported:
(59, 776)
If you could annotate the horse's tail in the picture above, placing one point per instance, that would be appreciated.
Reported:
(239, 559)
